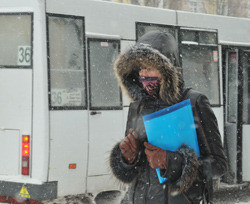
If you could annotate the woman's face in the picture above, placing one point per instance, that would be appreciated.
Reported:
(149, 72)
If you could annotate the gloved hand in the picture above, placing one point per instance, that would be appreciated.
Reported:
(157, 157)
(130, 146)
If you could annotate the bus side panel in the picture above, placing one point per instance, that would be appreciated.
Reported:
(9, 152)
(68, 145)
(229, 29)
(16, 115)
(112, 16)
(16, 99)
(17, 4)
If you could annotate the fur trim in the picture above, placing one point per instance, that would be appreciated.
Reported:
(189, 171)
(122, 171)
(127, 68)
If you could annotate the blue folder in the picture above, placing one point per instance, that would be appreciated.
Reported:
(171, 127)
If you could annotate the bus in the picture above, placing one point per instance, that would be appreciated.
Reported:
(62, 109)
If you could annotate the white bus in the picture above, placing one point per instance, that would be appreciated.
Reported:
(61, 109)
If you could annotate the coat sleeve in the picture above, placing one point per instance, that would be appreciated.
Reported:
(213, 156)
(120, 169)
(183, 167)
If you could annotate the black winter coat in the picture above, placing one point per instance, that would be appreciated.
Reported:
(187, 175)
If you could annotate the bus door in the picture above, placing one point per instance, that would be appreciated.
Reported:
(67, 102)
(232, 99)
(105, 111)
(237, 117)
(245, 64)
(15, 89)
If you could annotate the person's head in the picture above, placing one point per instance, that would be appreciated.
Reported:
(152, 60)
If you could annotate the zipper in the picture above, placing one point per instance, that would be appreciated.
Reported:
(134, 189)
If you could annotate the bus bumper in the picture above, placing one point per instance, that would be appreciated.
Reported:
(23, 191)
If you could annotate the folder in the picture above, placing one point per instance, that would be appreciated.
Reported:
(171, 127)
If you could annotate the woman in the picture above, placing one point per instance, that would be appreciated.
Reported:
(149, 74)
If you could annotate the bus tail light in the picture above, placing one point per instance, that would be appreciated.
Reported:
(25, 154)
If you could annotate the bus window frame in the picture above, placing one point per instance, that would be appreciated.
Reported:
(197, 31)
(138, 23)
(31, 40)
(120, 107)
(85, 107)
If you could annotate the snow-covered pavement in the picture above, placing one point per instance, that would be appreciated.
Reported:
(226, 194)
(115, 198)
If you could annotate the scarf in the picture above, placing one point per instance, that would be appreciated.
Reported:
(151, 85)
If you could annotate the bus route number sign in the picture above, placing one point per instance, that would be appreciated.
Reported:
(66, 97)
(24, 55)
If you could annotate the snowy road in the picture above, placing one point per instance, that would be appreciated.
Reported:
(115, 198)
(111, 201)
(226, 194)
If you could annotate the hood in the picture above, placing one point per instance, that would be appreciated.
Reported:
(146, 53)
(164, 42)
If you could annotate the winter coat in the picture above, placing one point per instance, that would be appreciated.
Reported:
(187, 175)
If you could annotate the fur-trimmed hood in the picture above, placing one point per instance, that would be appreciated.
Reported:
(128, 64)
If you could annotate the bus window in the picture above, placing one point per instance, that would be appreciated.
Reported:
(208, 38)
(104, 90)
(200, 71)
(200, 63)
(188, 36)
(66, 62)
(142, 28)
(15, 40)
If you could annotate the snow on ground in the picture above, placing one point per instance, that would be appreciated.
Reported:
(115, 198)
(108, 197)
(226, 194)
